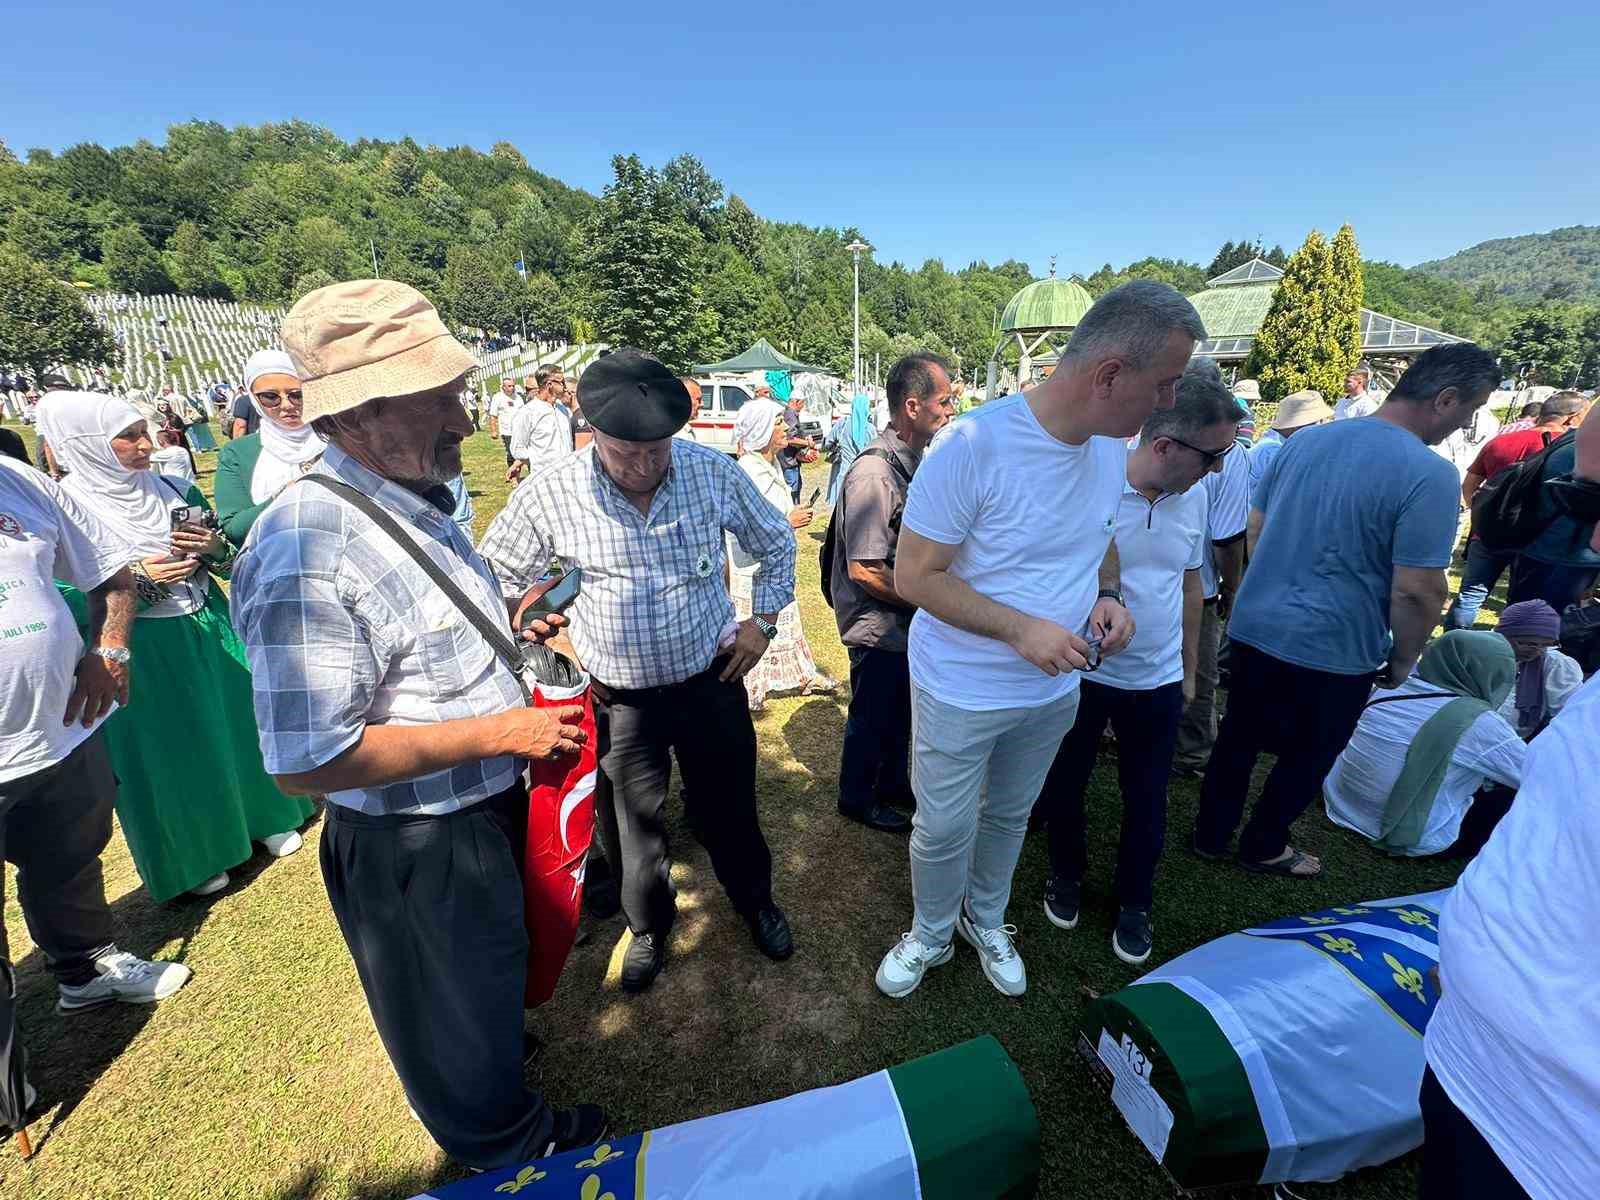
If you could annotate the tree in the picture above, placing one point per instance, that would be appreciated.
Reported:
(310, 282)
(45, 324)
(697, 195)
(190, 263)
(1349, 293)
(744, 229)
(640, 265)
(131, 262)
(471, 291)
(1546, 340)
(1300, 343)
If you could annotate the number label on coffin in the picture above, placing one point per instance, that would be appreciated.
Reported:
(1145, 1111)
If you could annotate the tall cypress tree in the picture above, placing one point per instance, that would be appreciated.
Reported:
(1299, 344)
(1349, 294)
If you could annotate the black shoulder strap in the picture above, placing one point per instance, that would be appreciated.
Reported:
(499, 641)
(893, 459)
(1413, 696)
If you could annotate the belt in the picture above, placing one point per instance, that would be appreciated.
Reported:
(351, 816)
(638, 697)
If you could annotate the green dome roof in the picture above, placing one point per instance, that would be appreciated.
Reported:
(1047, 304)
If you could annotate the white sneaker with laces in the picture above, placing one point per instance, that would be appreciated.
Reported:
(907, 962)
(212, 886)
(121, 976)
(281, 845)
(997, 954)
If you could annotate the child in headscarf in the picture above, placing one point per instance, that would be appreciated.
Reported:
(1546, 677)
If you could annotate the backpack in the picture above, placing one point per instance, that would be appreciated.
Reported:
(1506, 512)
(825, 556)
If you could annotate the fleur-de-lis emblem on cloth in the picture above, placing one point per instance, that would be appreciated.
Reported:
(591, 1190)
(1340, 945)
(1352, 912)
(603, 1153)
(1409, 978)
(525, 1178)
(1420, 919)
(1320, 920)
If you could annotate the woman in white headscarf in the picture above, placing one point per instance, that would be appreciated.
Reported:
(758, 434)
(192, 791)
(252, 470)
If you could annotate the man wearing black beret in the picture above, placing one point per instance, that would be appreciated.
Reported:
(644, 515)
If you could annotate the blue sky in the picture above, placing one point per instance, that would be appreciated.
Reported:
(1095, 133)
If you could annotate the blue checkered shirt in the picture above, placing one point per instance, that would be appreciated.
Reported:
(344, 630)
(654, 603)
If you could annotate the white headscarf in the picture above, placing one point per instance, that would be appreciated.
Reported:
(752, 428)
(79, 427)
(284, 452)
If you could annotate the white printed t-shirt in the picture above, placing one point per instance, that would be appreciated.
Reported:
(1156, 542)
(1515, 1041)
(1031, 518)
(44, 535)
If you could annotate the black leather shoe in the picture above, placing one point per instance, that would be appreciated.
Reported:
(770, 928)
(575, 1128)
(642, 962)
(880, 816)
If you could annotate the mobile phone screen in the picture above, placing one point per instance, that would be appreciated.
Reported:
(815, 492)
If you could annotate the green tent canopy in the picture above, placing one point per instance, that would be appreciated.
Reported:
(760, 357)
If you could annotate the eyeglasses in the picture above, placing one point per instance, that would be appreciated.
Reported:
(1211, 456)
(274, 399)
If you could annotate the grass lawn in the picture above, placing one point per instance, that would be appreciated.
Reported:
(264, 1077)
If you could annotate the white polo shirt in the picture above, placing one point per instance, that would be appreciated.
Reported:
(1157, 542)
(1228, 510)
(502, 407)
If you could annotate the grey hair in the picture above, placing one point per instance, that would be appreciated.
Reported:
(1562, 404)
(1133, 323)
(1203, 401)
(1467, 367)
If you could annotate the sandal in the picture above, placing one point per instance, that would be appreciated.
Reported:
(1285, 866)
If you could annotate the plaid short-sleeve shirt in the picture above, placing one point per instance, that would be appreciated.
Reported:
(344, 630)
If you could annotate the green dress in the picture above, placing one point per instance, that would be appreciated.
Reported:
(192, 792)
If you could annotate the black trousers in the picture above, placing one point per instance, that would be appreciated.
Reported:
(707, 722)
(431, 909)
(1457, 1163)
(1146, 725)
(875, 757)
(1303, 716)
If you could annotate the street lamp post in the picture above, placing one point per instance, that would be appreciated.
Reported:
(855, 248)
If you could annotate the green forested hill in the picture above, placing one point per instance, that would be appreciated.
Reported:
(1563, 264)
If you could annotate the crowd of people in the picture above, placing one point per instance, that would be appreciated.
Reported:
(1010, 582)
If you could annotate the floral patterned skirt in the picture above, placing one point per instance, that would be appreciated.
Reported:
(787, 665)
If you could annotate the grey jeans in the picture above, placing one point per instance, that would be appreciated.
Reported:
(1197, 732)
(976, 776)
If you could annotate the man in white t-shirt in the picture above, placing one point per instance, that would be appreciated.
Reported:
(1358, 400)
(1006, 552)
(56, 786)
(1511, 1096)
(541, 432)
(501, 410)
(1162, 526)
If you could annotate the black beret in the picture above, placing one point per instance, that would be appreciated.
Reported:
(629, 395)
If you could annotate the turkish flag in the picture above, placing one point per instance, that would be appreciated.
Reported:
(560, 828)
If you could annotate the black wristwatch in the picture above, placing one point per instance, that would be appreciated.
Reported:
(1112, 594)
(766, 627)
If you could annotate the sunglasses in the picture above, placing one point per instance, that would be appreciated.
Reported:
(1210, 456)
(273, 399)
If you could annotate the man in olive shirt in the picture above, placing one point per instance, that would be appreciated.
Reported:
(873, 620)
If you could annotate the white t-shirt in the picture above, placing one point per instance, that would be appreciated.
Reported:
(540, 435)
(1357, 789)
(173, 462)
(1228, 510)
(1031, 518)
(44, 535)
(1346, 407)
(501, 407)
(1157, 543)
(1515, 1041)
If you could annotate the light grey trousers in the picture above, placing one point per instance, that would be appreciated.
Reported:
(976, 776)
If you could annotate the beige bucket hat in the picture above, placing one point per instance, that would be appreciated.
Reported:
(1248, 389)
(367, 338)
(1301, 408)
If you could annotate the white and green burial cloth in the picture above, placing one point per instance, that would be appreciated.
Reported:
(1290, 1051)
(955, 1125)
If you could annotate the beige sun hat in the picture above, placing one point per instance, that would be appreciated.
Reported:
(1248, 389)
(1301, 408)
(367, 338)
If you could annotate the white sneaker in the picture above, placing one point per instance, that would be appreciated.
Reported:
(907, 962)
(126, 978)
(211, 886)
(281, 845)
(997, 954)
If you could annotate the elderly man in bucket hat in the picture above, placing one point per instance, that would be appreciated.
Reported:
(644, 514)
(1297, 411)
(374, 688)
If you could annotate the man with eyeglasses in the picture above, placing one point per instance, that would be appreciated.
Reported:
(1162, 528)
